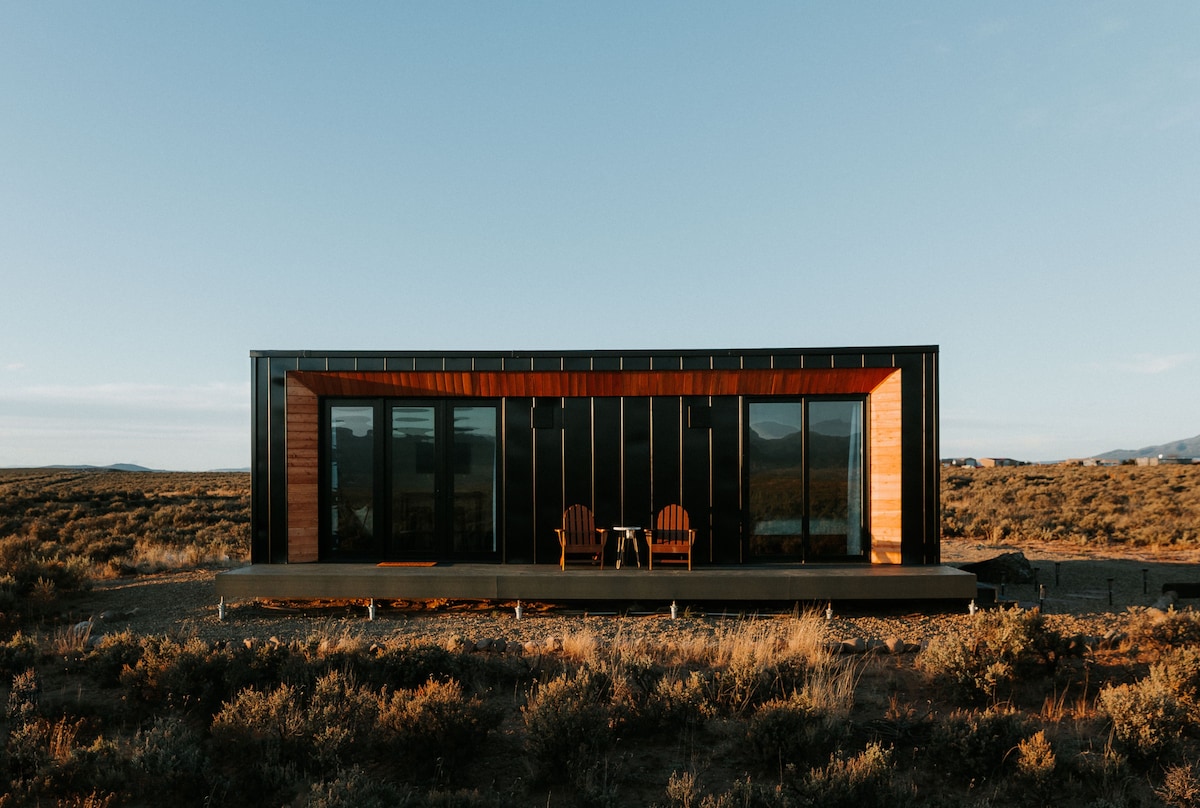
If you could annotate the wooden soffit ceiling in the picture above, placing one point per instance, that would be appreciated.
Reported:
(593, 383)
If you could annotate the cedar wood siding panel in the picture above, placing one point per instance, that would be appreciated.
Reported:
(303, 471)
(885, 506)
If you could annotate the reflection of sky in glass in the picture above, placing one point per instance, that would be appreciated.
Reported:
(359, 420)
(412, 422)
(475, 419)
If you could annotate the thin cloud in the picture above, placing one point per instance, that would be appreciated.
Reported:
(213, 397)
(1151, 364)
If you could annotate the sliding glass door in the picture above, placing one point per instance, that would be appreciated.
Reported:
(804, 461)
(471, 499)
(422, 487)
(413, 473)
(835, 478)
(351, 460)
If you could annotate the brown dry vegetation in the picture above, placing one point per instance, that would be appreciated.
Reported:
(1092, 507)
(1008, 707)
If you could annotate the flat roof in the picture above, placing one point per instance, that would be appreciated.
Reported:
(600, 352)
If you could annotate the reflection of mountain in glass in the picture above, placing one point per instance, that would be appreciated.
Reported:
(783, 453)
(771, 430)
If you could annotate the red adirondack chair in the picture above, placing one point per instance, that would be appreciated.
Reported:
(671, 537)
(579, 537)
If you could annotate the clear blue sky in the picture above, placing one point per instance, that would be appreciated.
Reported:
(181, 183)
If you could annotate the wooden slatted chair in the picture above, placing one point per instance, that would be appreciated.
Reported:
(671, 537)
(579, 537)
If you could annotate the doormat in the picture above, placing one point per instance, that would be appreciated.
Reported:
(407, 564)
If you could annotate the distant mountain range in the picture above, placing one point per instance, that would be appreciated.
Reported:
(1189, 447)
(113, 467)
(128, 467)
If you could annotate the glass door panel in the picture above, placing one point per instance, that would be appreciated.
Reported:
(472, 505)
(775, 466)
(835, 478)
(352, 480)
(414, 481)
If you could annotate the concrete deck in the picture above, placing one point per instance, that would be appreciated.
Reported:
(529, 582)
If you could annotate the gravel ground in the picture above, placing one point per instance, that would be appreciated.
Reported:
(1077, 602)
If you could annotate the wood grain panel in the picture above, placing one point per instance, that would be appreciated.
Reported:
(886, 500)
(638, 383)
(303, 449)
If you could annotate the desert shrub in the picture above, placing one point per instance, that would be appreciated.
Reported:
(741, 684)
(1178, 672)
(34, 744)
(168, 759)
(92, 800)
(320, 731)
(410, 665)
(435, 724)
(1172, 628)
(676, 700)
(259, 739)
(859, 781)
(188, 674)
(684, 791)
(9, 596)
(17, 653)
(756, 661)
(1147, 717)
(567, 723)
(1103, 774)
(997, 648)
(111, 654)
(646, 699)
(340, 721)
(353, 788)
(34, 573)
(977, 742)
(23, 698)
(183, 674)
(53, 758)
(267, 725)
(1036, 761)
(1180, 786)
(794, 730)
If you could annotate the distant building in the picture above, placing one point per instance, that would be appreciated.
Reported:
(993, 462)
(961, 462)
(1165, 460)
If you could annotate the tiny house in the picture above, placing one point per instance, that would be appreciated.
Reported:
(779, 456)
